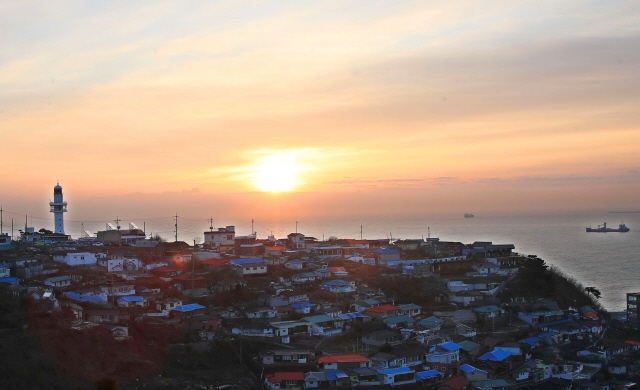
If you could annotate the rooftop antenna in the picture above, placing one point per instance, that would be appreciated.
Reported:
(360, 232)
(117, 221)
(252, 231)
(296, 227)
(428, 232)
(211, 221)
(0, 219)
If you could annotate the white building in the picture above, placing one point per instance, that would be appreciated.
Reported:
(58, 208)
(223, 236)
(75, 258)
(249, 266)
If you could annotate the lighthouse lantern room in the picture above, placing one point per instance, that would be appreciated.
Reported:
(58, 207)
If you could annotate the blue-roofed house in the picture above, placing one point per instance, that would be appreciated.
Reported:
(497, 355)
(337, 286)
(397, 376)
(429, 376)
(432, 323)
(191, 310)
(384, 255)
(531, 341)
(445, 357)
(4, 271)
(302, 307)
(132, 301)
(472, 373)
(58, 281)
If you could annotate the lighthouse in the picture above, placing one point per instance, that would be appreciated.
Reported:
(58, 207)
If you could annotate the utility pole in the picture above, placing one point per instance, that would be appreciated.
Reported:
(144, 229)
(296, 227)
(176, 217)
(117, 221)
(12, 228)
(211, 221)
(252, 231)
(361, 232)
(0, 219)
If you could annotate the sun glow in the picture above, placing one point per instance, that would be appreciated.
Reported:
(277, 172)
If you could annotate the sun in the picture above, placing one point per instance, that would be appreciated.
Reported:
(277, 172)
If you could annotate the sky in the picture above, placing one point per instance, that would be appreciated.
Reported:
(290, 109)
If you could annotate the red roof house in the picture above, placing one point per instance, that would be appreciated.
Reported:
(340, 362)
(280, 380)
(455, 383)
(382, 311)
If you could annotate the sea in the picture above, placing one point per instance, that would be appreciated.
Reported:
(607, 261)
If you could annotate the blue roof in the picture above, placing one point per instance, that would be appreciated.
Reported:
(427, 374)
(349, 316)
(467, 368)
(497, 355)
(450, 346)
(301, 305)
(131, 299)
(380, 250)
(530, 340)
(549, 333)
(246, 261)
(337, 282)
(334, 375)
(399, 370)
(323, 270)
(186, 308)
(9, 279)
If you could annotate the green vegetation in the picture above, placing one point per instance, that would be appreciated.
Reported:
(536, 280)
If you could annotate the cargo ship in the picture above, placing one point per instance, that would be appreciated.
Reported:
(622, 228)
(469, 215)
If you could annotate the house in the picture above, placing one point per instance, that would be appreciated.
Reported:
(254, 266)
(284, 380)
(58, 281)
(88, 294)
(382, 337)
(185, 282)
(214, 264)
(469, 348)
(168, 304)
(486, 268)
(489, 313)
(455, 383)
(275, 251)
(493, 384)
(132, 301)
(397, 376)
(118, 332)
(497, 355)
(338, 271)
(342, 362)
(383, 256)
(105, 316)
(325, 379)
(253, 329)
(432, 323)
(542, 317)
(382, 311)
(118, 288)
(221, 237)
(444, 358)
(472, 373)
(429, 376)
(383, 360)
(338, 286)
(410, 309)
(398, 321)
(322, 325)
(411, 356)
(75, 258)
(288, 328)
(166, 272)
(191, 310)
(296, 241)
(287, 356)
(261, 312)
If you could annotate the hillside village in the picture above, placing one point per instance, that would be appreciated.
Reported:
(298, 312)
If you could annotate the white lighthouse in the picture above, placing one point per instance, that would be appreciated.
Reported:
(58, 207)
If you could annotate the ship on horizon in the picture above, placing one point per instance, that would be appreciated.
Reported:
(469, 215)
(622, 228)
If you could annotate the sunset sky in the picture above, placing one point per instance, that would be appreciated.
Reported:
(288, 108)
